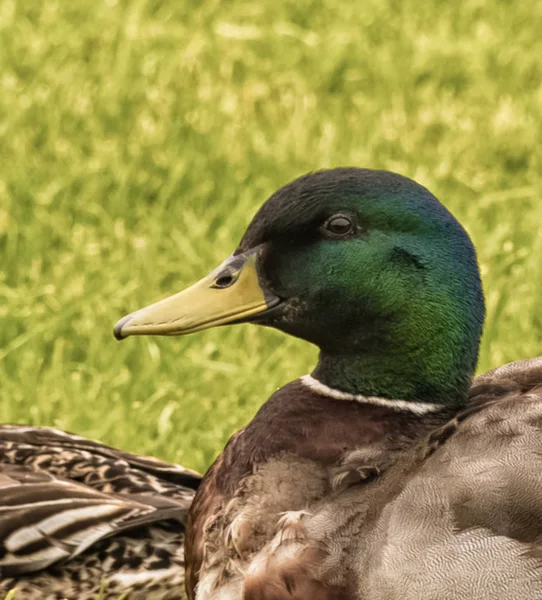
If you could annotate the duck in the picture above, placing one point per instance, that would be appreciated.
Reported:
(389, 467)
(80, 520)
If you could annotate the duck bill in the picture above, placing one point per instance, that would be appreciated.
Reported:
(231, 293)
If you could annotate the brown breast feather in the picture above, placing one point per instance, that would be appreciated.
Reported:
(311, 427)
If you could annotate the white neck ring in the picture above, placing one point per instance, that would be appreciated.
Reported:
(418, 408)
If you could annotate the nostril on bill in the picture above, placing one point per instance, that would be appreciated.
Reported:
(224, 280)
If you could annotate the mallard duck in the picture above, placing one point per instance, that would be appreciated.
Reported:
(371, 268)
(79, 519)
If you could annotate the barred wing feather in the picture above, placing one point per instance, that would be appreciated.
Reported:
(44, 519)
(77, 515)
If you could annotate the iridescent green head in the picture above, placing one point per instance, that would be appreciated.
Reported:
(368, 266)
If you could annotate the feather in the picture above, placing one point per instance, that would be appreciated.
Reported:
(75, 513)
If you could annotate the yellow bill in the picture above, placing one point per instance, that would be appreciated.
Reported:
(232, 292)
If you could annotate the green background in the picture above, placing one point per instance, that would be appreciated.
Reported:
(138, 138)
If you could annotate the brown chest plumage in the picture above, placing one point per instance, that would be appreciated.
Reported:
(294, 453)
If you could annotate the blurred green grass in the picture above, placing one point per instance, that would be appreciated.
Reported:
(138, 137)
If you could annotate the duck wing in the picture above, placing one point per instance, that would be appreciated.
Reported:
(465, 520)
(76, 515)
(45, 519)
(96, 464)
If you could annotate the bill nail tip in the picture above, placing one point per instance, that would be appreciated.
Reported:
(117, 330)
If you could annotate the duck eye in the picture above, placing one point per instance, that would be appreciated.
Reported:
(338, 226)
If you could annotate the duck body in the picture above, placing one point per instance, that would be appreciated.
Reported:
(432, 515)
(79, 518)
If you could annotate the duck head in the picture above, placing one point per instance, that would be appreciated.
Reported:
(369, 266)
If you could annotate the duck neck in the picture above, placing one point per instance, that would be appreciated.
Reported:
(399, 377)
